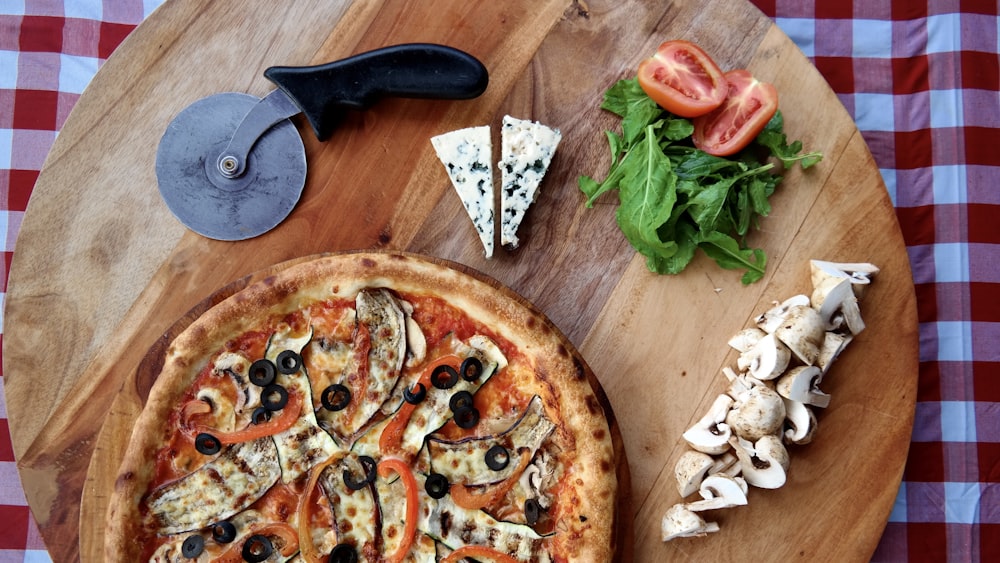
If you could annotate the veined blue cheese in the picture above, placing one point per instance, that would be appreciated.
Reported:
(526, 150)
(467, 155)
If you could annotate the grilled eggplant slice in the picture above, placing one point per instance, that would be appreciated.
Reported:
(231, 482)
(469, 460)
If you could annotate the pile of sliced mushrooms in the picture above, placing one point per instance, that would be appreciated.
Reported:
(771, 399)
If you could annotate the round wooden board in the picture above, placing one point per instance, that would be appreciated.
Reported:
(117, 428)
(102, 270)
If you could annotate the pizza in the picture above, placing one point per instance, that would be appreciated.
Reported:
(372, 406)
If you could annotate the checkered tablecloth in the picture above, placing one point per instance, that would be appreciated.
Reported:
(922, 80)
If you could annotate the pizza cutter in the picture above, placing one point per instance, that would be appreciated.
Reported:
(232, 166)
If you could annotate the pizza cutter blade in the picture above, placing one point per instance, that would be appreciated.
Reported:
(232, 166)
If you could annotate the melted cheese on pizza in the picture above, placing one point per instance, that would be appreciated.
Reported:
(304, 444)
(467, 460)
(378, 345)
(217, 490)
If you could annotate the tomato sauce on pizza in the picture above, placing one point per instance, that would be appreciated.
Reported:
(372, 407)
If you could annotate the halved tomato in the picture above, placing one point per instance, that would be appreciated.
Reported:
(749, 105)
(682, 79)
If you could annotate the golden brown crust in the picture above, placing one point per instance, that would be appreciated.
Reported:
(576, 408)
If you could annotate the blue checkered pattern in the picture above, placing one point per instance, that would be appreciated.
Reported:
(922, 81)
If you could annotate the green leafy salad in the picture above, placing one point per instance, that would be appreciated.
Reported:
(674, 198)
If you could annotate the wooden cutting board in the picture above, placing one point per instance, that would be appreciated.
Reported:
(102, 269)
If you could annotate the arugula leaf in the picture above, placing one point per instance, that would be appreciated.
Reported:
(593, 189)
(684, 236)
(707, 205)
(694, 163)
(728, 254)
(677, 128)
(647, 194)
(675, 199)
(774, 139)
(627, 100)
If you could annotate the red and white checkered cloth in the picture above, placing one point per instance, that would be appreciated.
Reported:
(922, 80)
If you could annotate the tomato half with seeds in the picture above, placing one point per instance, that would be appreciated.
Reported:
(748, 106)
(682, 79)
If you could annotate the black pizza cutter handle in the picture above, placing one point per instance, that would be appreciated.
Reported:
(412, 70)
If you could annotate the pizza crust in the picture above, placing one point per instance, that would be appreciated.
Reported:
(579, 414)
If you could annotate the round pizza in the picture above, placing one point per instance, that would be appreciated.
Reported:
(369, 407)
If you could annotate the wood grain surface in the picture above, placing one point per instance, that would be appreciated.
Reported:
(102, 270)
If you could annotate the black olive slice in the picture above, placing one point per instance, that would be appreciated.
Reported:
(193, 546)
(436, 485)
(260, 415)
(369, 466)
(497, 457)
(415, 397)
(288, 362)
(207, 444)
(444, 377)
(459, 401)
(467, 418)
(471, 369)
(257, 548)
(336, 397)
(343, 553)
(224, 532)
(262, 373)
(532, 511)
(274, 397)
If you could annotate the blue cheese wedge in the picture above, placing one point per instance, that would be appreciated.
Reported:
(467, 155)
(526, 150)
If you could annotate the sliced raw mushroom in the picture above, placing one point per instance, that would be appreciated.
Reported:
(860, 273)
(757, 413)
(828, 299)
(836, 293)
(800, 422)
(802, 331)
(720, 491)
(711, 434)
(852, 315)
(739, 383)
(764, 405)
(800, 384)
(767, 359)
(770, 320)
(837, 304)
(681, 522)
(833, 344)
(746, 339)
(764, 463)
(726, 463)
(690, 470)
